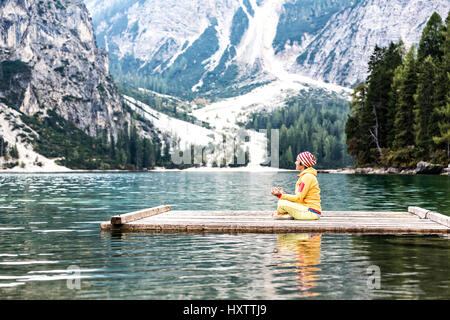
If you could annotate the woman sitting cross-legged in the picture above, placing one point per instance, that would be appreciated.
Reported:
(305, 203)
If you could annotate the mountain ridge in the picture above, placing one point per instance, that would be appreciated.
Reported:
(248, 43)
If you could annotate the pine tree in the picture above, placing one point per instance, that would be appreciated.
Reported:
(431, 39)
(442, 95)
(356, 135)
(134, 157)
(14, 152)
(3, 147)
(112, 153)
(382, 64)
(148, 154)
(444, 128)
(288, 157)
(283, 138)
(122, 149)
(121, 159)
(370, 134)
(432, 85)
(393, 100)
(405, 85)
(139, 153)
(425, 125)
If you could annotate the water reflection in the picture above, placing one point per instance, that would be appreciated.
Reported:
(305, 249)
(412, 267)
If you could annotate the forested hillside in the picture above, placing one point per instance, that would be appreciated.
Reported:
(308, 123)
(401, 114)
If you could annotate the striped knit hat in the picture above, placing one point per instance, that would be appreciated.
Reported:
(307, 159)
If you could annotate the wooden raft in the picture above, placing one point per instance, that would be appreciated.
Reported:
(163, 219)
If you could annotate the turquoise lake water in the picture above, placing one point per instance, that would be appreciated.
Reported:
(52, 246)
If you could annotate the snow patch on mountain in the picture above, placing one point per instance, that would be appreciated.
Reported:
(256, 44)
(186, 132)
(12, 130)
(223, 133)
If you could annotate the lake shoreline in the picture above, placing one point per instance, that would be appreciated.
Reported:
(382, 171)
(156, 169)
(368, 170)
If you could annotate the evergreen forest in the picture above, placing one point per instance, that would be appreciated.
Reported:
(308, 123)
(401, 114)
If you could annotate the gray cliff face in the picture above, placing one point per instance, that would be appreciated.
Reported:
(50, 61)
(340, 51)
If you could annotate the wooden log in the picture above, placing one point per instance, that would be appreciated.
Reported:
(439, 218)
(431, 215)
(420, 212)
(137, 215)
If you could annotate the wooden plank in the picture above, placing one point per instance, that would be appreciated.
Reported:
(292, 223)
(260, 216)
(238, 218)
(315, 227)
(264, 213)
(183, 216)
(295, 223)
(280, 227)
(138, 215)
(190, 215)
(233, 228)
(321, 222)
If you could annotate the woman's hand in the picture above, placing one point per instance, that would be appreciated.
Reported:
(273, 191)
(276, 191)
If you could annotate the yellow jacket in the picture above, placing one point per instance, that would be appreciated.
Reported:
(307, 191)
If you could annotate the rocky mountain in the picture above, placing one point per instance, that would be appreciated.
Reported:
(339, 52)
(50, 61)
(223, 48)
(50, 64)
